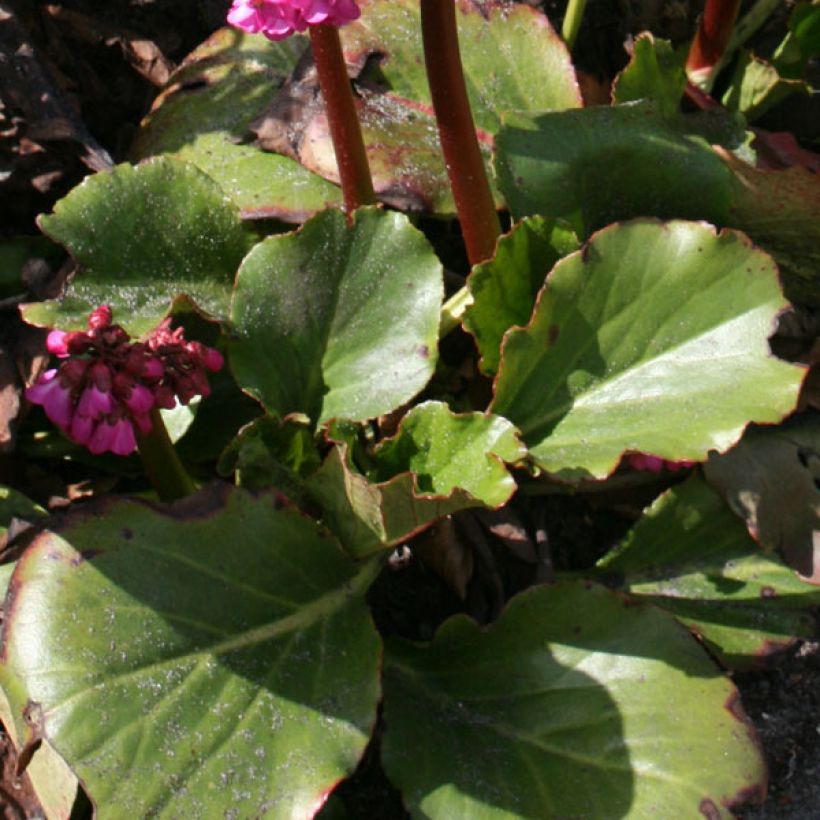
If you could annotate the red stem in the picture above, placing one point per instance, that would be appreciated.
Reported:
(345, 131)
(712, 36)
(465, 165)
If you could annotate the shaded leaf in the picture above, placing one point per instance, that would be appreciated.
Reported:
(13, 504)
(598, 165)
(573, 704)
(334, 321)
(439, 462)
(144, 235)
(512, 58)
(655, 72)
(690, 555)
(270, 452)
(223, 648)
(757, 86)
(653, 340)
(770, 479)
(780, 210)
(505, 287)
(207, 109)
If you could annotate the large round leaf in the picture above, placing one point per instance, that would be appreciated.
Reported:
(574, 704)
(207, 109)
(512, 58)
(598, 165)
(217, 657)
(653, 339)
(142, 236)
(692, 556)
(338, 321)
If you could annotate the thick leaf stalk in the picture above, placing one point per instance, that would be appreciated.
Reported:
(161, 463)
(462, 156)
(711, 39)
(572, 21)
(345, 131)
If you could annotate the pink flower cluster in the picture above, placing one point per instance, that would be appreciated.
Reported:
(108, 385)
(654, 464)
(277, 19)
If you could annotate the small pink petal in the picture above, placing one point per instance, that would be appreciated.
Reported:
(100, 441)
(123, 442)
(95, 403)
(82, 428)
(143, 424)
(140, 401)
(642, 461)
(54, 398)
(57, 343)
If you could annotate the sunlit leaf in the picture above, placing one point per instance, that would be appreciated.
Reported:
(512, 58)
(652, 339)
(142, 236)
(216, 657)
(334, 321)
(439, 462)
(504, 288)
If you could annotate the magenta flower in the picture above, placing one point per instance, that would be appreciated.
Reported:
(105, 390)
(277, 19)
(654, 464)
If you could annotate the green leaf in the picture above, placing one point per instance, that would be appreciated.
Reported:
(504, 288)
(655, 72)
(574, 703)
(208, 107)
(756, 87)
(652, 339)
(54, 783)
(780, 210)
(512, 58)
(13, 504)
(690, 555)
(400, 138)
(216, 657)
(270, 452)
(144, 235)
(337, 321)
(598, 165)
(439, 462)
(771, 481)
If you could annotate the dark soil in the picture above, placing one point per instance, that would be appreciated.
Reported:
(73, 91)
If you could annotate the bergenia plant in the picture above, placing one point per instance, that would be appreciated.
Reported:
(473, 522)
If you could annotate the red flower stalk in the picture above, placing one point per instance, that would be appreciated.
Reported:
(711, 38)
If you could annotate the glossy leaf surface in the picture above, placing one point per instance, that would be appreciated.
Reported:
(598, 165)
(655, 72)
(654, 340)
(439, 462)
(144, 235)
(512, 58)
(214, 657)
(573, 704)
(504, 288)
(338, 322)
(206, 112)
(692, 556)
